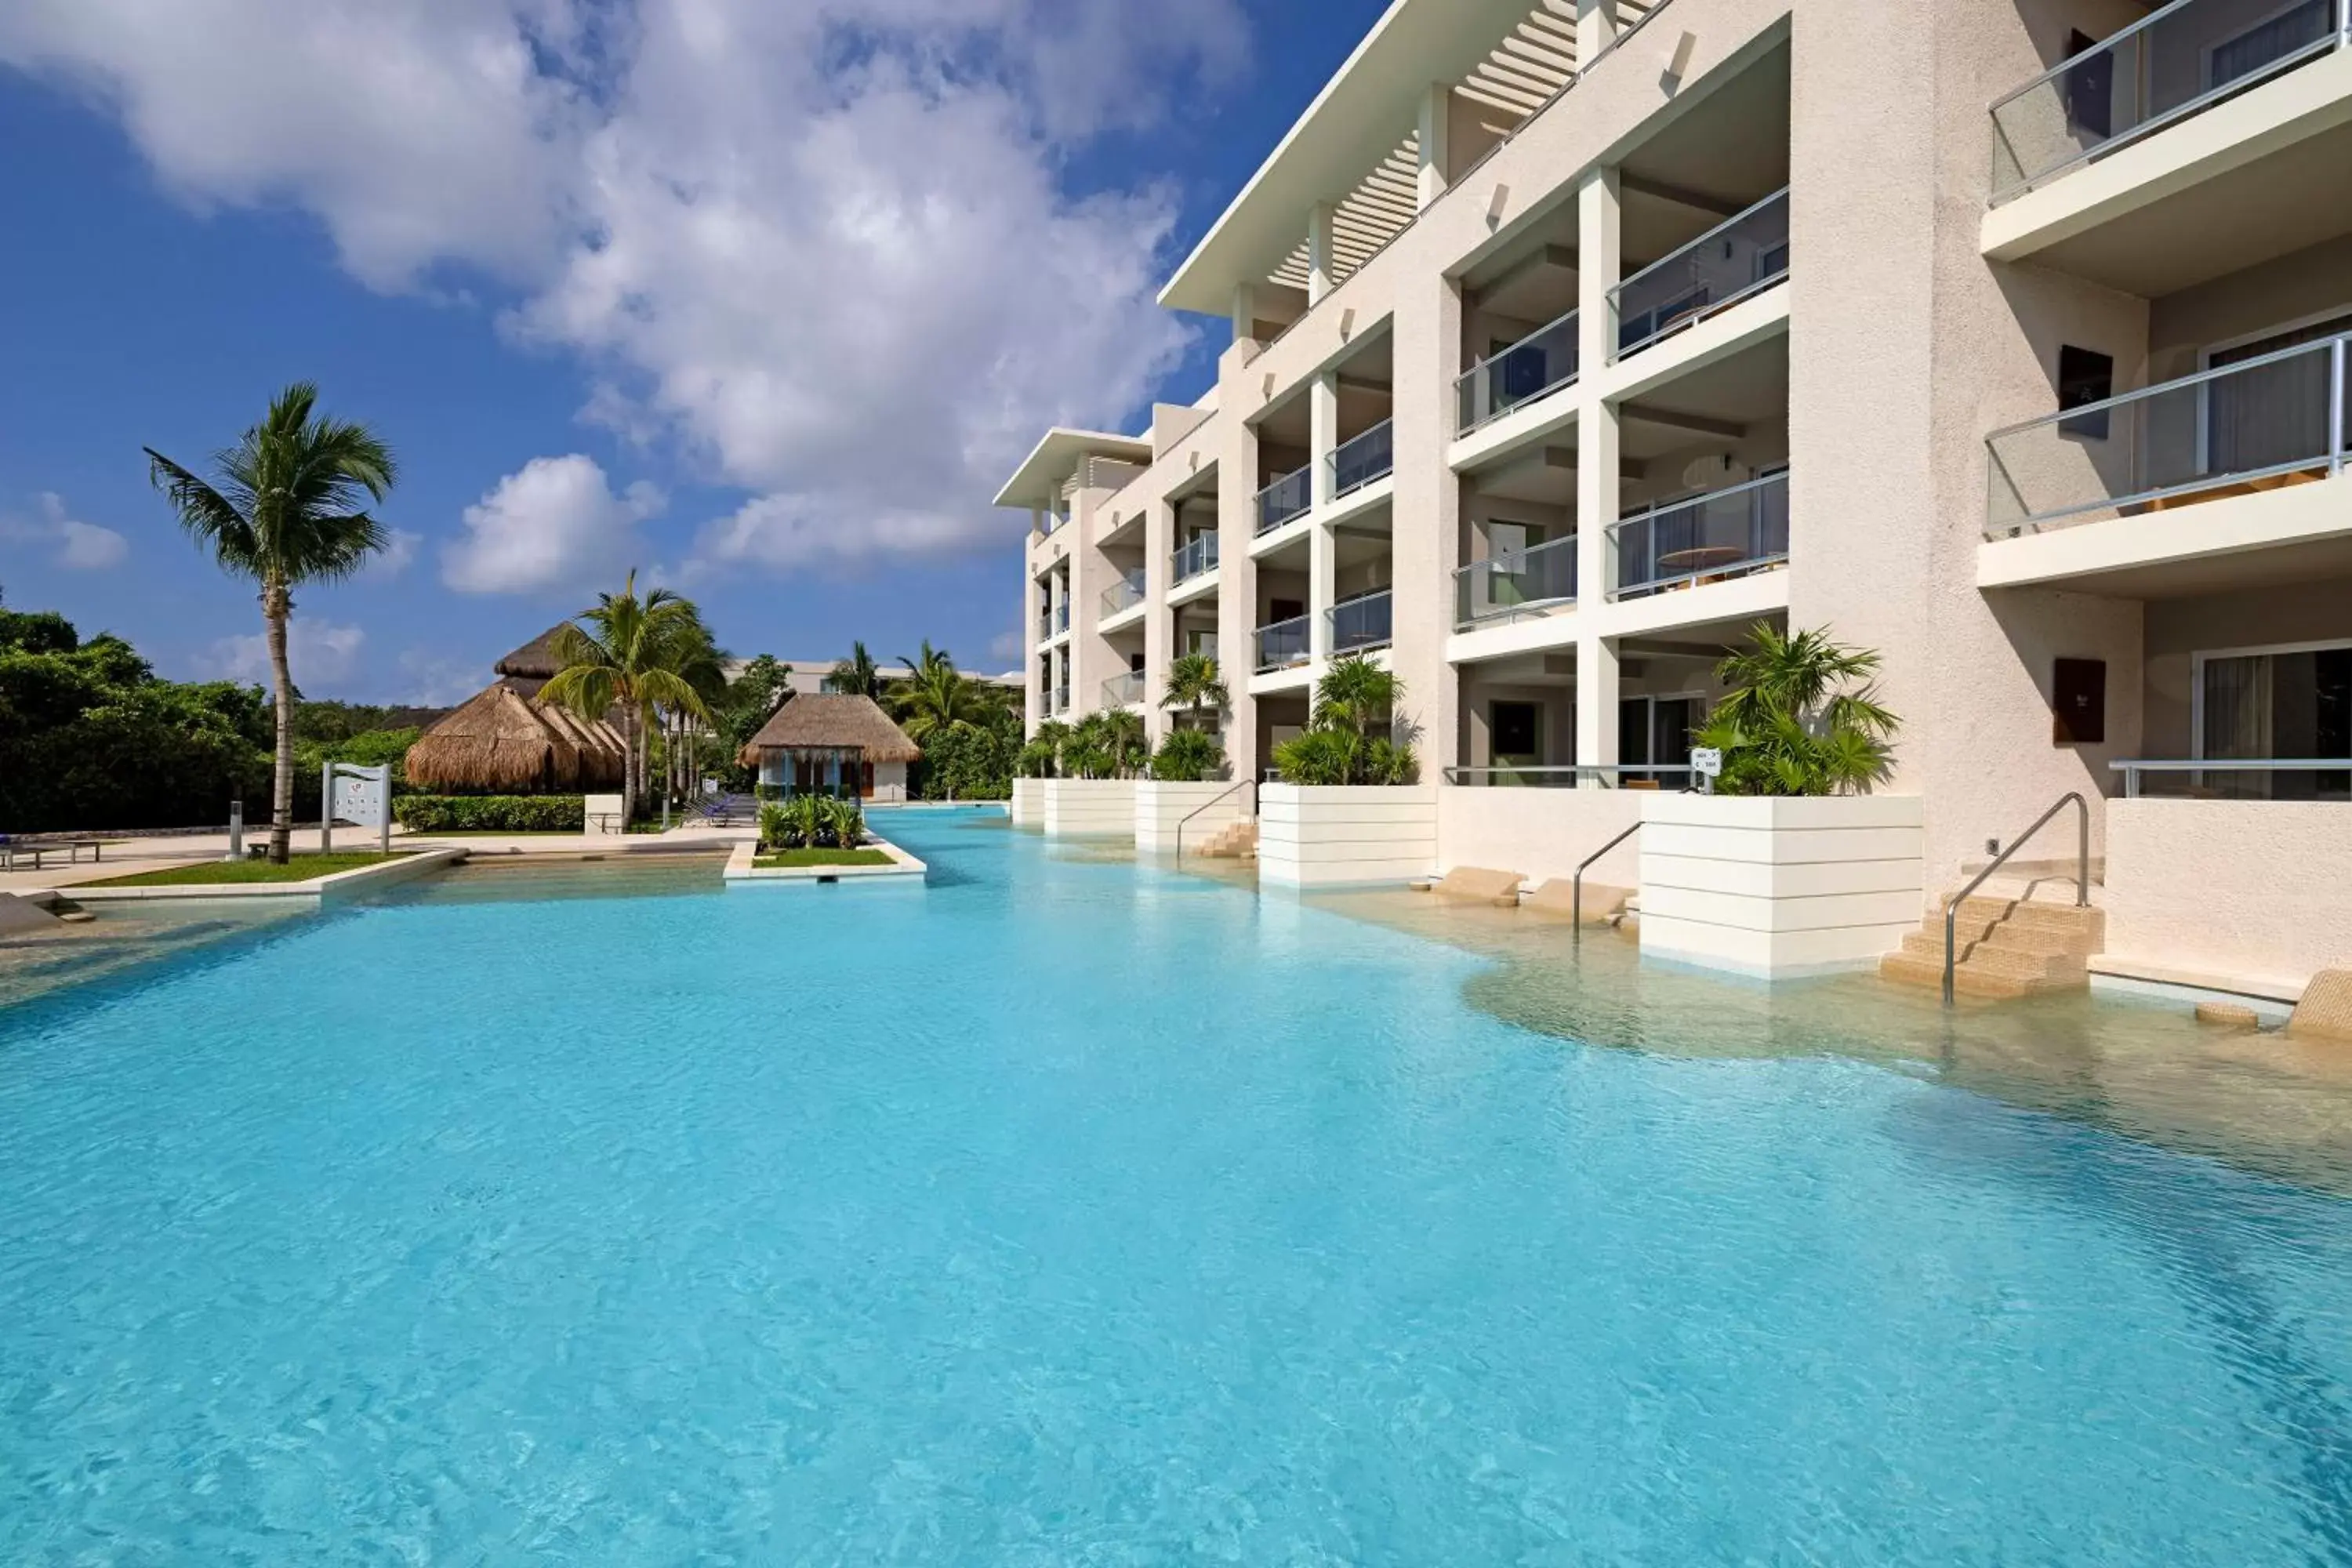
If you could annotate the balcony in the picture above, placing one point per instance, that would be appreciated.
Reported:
(1505, 588)
(2263, 424)
(1741, 257)
(2173, 63)
(1061, 699)
(1124, 594)
(1369, 457)
(1536, 366)
(1283, 645)
(1287, 500)
(1702, 538)
(1123, 690)
(1361, 623)
(1197, 559)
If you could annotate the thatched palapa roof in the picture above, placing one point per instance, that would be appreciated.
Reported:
(831, 722)
(533, 664)
(501, 742)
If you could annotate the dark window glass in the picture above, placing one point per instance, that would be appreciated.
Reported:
(1515, 729)
(2084, 376)
(2091, 87)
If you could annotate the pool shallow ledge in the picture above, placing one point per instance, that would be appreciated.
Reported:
(904, 871)
(405, 866)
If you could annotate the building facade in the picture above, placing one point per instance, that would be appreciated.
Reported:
(2006, 338)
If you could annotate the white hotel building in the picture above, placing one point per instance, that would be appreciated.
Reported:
(1570, 339)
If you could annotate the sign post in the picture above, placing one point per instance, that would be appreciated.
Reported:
(361, 796)
(1707, 762)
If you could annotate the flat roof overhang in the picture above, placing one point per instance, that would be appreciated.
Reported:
(1037, 481)
(1360, 113)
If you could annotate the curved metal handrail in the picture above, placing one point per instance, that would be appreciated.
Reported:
(1576, 885)
(1250, 785)
(2082, 874)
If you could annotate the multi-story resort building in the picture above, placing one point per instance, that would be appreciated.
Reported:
(1569, 339)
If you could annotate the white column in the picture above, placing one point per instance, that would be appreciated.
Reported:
(1322, 567)
(1436, 124)
(1598, 468)
(1596, 28)
(1245, 313)
(1319, 275)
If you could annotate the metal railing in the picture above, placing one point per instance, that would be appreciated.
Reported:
(1284, 645)
(1287, 500)
(1745, 255)
(1196, 559)
(1531, 582)
(1536, 366)
(1701, 538)
(1364, 459)
(1611, 775)
(1575, 884)
(1124, 689)
(2172, 64)
(2273, 420)
(1185, 820)
(1124, 594)
(1362, 624)
(2240, 778)
(2082, 875)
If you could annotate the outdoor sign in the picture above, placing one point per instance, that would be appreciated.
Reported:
(361, 796)
(1707, 762)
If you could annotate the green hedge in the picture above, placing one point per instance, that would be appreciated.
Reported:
(491, 813)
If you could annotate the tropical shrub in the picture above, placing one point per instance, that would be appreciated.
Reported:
(491, 813)
(844, 823)
(1350, 736)
(1801, 718)
(1041, 757)
(967, 761)
(773, 828)
(804, 822)
(1186, 756)
(1194, 687)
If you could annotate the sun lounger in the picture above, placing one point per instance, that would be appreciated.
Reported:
(1602, 903)
(1476, 885)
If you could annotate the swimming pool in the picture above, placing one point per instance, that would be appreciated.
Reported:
(1077, 1212)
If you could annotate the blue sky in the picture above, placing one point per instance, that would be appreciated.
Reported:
(763, 299)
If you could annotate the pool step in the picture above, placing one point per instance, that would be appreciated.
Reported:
(1236, 841)
(2003, 948)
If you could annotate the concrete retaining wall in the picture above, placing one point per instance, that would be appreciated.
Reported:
(1159, 808)
(1345, 836)
(1089, 808)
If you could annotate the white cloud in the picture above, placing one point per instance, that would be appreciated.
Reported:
(555, 524)
(76, 545)
(398, 554)
(821, 250)
(431, 679)
(318, 653)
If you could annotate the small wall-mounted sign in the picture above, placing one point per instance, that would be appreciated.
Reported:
(2078, 702)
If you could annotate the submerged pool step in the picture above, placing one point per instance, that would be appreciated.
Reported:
(2003, 948)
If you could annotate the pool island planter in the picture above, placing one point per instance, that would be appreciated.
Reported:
(1089, 808)
(904, 871)
(1029, 803)
(1779, 887)
(404, 867)
(1314, 837)
(1201, 811)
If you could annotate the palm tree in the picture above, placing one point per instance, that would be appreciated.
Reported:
(1792, 722)
(1124, 743)
(1194, 686)
(935, 697)
(632, 654)
(1356, 694)
(285, 509)
(856, 675)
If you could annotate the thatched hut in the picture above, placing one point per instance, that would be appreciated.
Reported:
(498, 744)
(833, 744)
(532, 666)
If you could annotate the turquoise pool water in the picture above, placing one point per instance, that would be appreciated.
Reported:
(1074, 1212)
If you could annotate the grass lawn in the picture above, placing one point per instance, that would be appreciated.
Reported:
(301, 868)
(777, 860)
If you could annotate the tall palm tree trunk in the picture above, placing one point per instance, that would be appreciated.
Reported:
(277, 604)
(629, 747)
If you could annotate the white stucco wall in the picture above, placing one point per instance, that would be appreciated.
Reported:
(2253, 894)
(1776, 887)
(1159, 808)
(1539, 832)
(1028, 803)
(1349, 835)
(1089, 808)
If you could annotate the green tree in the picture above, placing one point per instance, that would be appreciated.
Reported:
(1041, 758)
(1801, 718)
(1186, 756)
(283, 510)
(935, 697)
(1350, 735)
(632, 654)
(1194, 686)
(858, 676)
(1125, 745)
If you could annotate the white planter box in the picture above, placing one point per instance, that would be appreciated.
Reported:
(1028, 803)
(1162, 808)
(1780, 888)
(1345, 836)
(1089, 808)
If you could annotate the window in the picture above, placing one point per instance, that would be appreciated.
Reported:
(2084, 376)
(2090, 88)
(1515, 727)
(2288, 32)
(2272, 415)
(1655, 732)
(2287, 704)
(1281, 610)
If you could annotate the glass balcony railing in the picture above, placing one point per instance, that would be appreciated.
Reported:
(2173, 63)
(1284, 645)
(1061, 699)
(1368, 458)
(1061, 618)
(1046, 626)
(1361, 623)
(2273, 420)
(1520, 775)
(1702, 538)
(1722, 266)
(1287, 500)
(1531, 582)
(1124, 594)
(1196, 558)
(1123, 690)
(1537, 365)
